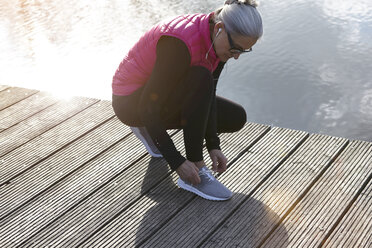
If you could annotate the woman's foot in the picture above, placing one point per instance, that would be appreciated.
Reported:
(142, 134)
(209, 188)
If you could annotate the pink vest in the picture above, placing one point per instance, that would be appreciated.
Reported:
(137, 65)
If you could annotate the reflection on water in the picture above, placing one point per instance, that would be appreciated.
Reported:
(311, 71)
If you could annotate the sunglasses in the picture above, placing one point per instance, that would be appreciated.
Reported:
(235, 50)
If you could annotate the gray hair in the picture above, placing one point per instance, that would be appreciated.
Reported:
(240, 18)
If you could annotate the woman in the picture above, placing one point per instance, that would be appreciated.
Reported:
(168, 80)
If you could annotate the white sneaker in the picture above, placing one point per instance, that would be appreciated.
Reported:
(209, 187)
(142, 134)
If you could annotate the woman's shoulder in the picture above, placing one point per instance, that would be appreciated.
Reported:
(172, 44)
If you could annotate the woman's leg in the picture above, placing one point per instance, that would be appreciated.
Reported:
(195, 111)
(125, 108)
(184, 106)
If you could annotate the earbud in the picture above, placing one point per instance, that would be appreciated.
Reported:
(219, 31)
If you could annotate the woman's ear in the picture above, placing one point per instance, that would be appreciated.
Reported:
(218, 27)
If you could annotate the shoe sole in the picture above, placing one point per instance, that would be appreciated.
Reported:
(143, 140)
(191, 189)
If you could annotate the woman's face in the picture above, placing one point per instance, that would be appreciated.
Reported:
(229, 48)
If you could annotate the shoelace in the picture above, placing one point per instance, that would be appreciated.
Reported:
(208, 174)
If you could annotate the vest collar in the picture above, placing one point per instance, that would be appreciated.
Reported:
(204, 28)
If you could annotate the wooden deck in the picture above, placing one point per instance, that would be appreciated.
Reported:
(72, 175)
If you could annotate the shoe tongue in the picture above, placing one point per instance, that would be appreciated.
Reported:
(205, 171)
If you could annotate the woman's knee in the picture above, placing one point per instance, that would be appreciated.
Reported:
(231, 117)
(241, 118)
(238, 118)
(124, 111)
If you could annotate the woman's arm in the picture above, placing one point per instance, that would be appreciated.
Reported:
(211, 138)
(172, 63)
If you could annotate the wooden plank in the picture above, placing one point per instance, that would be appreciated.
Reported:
(28, 129)
(4, 87)
(99, 188)
(53, 140)
(313, 217)
(24, 109)
(13, 95)
(130, 176)
(263, 211)
(151, 211)
(79, 215)
(198, 218)
(35, 181)
(139, 221)
(355, 228)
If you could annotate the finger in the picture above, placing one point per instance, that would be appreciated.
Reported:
(198, 179)
(195, 177)
(225, 160)
(196, 169)
(222, 166)
(223, 163)
(214, 163)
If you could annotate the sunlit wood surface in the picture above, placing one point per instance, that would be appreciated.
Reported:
(72, 175)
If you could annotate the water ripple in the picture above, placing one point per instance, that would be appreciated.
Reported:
(311, 71)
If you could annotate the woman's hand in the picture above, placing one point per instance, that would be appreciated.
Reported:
(189, 172)
(219, 160)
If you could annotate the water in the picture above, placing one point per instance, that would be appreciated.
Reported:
(311, 71)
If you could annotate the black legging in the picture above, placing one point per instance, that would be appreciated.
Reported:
(187, 106)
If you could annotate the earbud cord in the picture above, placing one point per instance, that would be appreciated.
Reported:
(206, 55)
